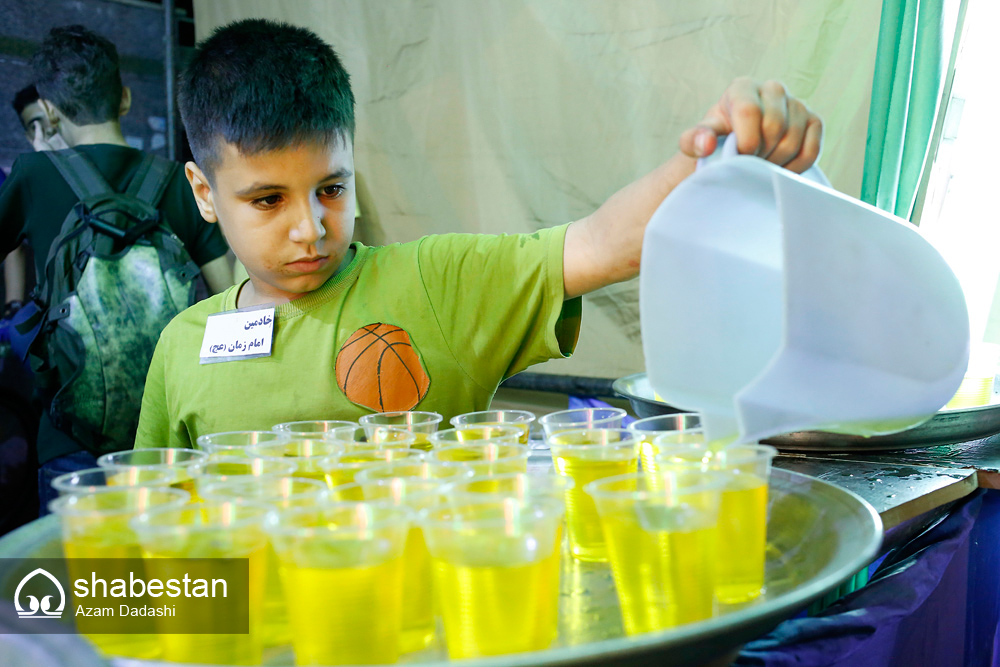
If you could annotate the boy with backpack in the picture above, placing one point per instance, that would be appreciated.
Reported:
(327, 329)
(118, 242)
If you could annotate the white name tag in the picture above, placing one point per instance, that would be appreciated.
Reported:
(238, 334)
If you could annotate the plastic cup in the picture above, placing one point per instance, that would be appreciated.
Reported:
(305, 453)
(343, 570)
(416, 494)
(522, 419)
(687, 426)
(485, 459)
(578, 418)
(496, 574)
(421, 424)
(434, 470)
(186, 462)
(280, 493)
(357, 438)
(310, 429)
(99, 480)
(97, 526)
(742, 514)
(587, 455)
(235, 443)
(475, 435)
(215, 531)
(522, 486)
(223, 468)
(661, 536)
(341, 469)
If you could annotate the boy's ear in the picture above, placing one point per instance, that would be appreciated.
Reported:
(126, 102)
(202, 191)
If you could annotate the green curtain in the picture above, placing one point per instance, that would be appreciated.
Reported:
(910, 68)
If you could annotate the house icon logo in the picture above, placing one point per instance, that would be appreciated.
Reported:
(36, 608)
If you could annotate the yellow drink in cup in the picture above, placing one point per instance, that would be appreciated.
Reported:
(305, 453)
(661, 537)
(97, 480)
(742, 513)
(216, 531)
(186, 463)
(581, 418)
(485, 459)
(342, 570)
(425, 469)
(420, 424)
(224, 468)
(496, 574)
(685, 427)
(342, 469)
(310, 429)
(97, 526)
(521, 419)
(522, 486)
(585, 456)
(280, 493)
(418, 606)
(358, 438)
(235, 443)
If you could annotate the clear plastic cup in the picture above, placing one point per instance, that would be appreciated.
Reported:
(587, 455)
(342, 468)
(305, 453)
(686, 426)
(491, 458)
(578, 418)
(496, 574)
(99, 480)
(742, 515)
(216, 532)
(522, 419)
(280, 493)
(235, 443)
(310, 429)
(434, 470)
(522, 486)
(223, 468)
(661, 536)
(416, 494)
(475, 435)
(356, 438)
(343, 571)
(186, 462)
(97, 526)
(421, 424)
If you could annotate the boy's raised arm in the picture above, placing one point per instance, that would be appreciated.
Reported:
(604, 247)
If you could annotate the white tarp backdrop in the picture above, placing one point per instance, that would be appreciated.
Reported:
(512, 115)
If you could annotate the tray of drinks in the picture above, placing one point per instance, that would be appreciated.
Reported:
(947, 427)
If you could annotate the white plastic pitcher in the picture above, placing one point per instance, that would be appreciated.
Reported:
(771, 303)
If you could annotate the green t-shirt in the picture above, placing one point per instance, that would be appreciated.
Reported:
(34, 202)
(475, 309)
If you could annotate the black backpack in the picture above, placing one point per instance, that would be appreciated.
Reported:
(114, 277)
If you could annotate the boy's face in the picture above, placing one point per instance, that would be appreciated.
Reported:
(287, 214)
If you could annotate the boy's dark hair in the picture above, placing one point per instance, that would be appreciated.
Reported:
(77, 71)
(24, 97)
(262, 85)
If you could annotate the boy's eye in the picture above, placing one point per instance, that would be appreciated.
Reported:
(269, 201)
(332, 190)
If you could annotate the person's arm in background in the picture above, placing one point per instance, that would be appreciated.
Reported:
(15, 276)
(605, 247)
(218, 274)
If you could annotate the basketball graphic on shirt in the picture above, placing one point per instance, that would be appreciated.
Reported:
(378, 368)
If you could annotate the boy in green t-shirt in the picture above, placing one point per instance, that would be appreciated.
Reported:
(337, 330)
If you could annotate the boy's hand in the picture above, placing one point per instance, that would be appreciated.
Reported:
(767, 121)
(41, 142)
(605, 247)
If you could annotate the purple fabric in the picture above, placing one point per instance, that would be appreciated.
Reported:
(590, 402)
(912, 612)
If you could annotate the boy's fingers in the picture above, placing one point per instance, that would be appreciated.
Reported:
(790, 142)
(774, 121)
(743, 108)
(811, 146)
(701, 140)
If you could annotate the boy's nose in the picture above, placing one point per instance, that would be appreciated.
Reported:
(309, 229)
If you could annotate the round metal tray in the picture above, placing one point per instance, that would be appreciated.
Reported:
(947, 427)
(819, 535)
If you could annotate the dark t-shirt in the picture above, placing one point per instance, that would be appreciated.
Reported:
(34, 202)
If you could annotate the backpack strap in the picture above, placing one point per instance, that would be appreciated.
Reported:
(151, 179)
(79, 173)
